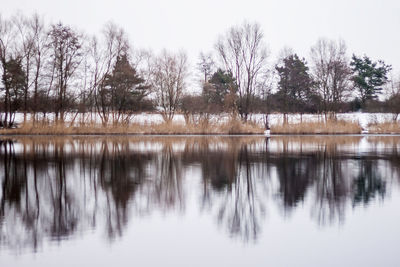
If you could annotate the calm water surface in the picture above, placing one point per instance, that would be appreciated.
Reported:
(200, 201)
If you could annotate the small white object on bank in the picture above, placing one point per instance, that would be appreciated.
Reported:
(267, 132)
(364, 131)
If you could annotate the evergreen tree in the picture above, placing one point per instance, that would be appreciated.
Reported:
(124, 89)
(218, 90)
(295, 83)
(369, 77)
(13, 81)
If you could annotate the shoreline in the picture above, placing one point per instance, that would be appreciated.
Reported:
(233, 127)
(191, 134)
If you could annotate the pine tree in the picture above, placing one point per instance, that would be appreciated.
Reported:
(14, 81)
(125, 89)
(294, 84)
(369, 77)
(220, 91)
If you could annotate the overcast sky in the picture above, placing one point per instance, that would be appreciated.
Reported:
(369, 27)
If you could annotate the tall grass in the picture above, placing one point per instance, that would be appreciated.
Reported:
(230, 127)
(233, 126)
(329, 127)
(385, 128)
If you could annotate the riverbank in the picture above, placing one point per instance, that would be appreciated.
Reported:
(232, 127)
(384, 128)
(223, 127)
(329, 127)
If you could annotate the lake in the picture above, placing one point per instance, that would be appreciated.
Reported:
(200, 201)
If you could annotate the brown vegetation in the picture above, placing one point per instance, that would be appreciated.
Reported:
(330, 127)
(204, 127)
(198, 127)
(385, 128)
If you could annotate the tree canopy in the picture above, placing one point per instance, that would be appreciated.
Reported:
(295, 83)
(369, 76)
(124, 88)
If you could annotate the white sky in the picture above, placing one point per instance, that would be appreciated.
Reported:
(369, 27)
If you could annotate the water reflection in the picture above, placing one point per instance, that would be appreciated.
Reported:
(59, 187)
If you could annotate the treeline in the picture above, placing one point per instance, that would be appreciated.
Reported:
(57, 70)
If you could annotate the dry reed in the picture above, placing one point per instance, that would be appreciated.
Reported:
(385, 128)
(230, 127)
(329, 127)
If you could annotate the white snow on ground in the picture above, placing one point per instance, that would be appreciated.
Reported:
(364, 119)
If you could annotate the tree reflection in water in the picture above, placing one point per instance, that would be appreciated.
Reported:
(59, 187)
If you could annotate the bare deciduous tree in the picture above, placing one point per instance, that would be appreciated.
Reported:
(168, 81)
(331, 73)
(26, 50)
(205, 65)
(393, 101)
(38, 29)
(31, 40)
(104, 57)
(65, 45)
(244, 54)
(7, 43)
